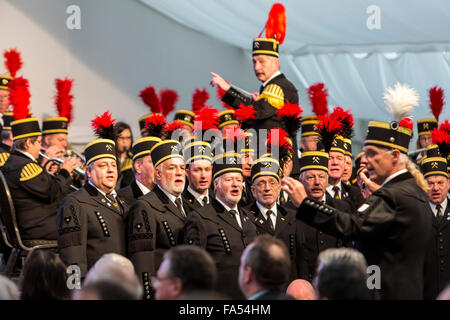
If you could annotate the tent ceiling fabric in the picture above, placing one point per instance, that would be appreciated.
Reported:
(329, 41)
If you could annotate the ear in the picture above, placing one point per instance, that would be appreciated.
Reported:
(88, 171)
(137, 167)
(216, 183)
(177, 287)
(248, 275)
(157, 174)
(395, 155)
(253, 189)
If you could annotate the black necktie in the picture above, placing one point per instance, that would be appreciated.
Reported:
(205, 200)
(233, 213)
(439, 211)
(336, 192)
(269, 220)
(113, 201)
(179, 206)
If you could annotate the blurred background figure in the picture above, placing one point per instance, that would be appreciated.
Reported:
(341, 275)
(111, 270)
(8, 289)
(124, 141)
(44, 277)
(186, 271)
(301, 290)
(104, 290)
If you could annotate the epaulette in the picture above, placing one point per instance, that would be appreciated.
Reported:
(3, 157)
(30, 171)
(127, 164)
(274, 95)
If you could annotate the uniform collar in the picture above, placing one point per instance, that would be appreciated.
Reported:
(28, 155)
(264, 210)
(391, 177)
(276, 74)
(169, 195)
(143, 188)
(113, 193)
(199, 197)
(227, 208)
(443, 206)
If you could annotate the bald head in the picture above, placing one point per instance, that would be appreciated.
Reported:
(301, 290)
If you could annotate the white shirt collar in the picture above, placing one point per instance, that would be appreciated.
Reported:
(113, 193)
(199, 197)
(396, 174)
(27, 154)
(170, 196)
(143, 188)
(277, 73)
(443, 206)
(264, 209)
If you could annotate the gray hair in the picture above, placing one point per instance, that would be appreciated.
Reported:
(350, 255)
(8, 289)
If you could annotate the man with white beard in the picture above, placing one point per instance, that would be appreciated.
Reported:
(157, 218)
(222, 227)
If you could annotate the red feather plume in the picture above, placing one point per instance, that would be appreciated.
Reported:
(445, 126)
(291, 115)
(346, 118)
(283, 143)
(328, 129)
(19, 97)
(63, 98)
(406, 123)
(276, 23)
(318, 94)
(220, 94)
(199, 99)
(151, 99)
(207, 118)
(436, 101)
(245, 115)
(442, 139)
(13, 61)
(171, 127)
(104, 126)
(168, 100)
(155, 125)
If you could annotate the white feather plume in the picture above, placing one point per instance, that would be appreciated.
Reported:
(400, 100)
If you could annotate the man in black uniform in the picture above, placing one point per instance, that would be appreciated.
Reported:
(437, 266)
(36, 194)
(143, 170)
(6, 138)
(275, 91)
(157, 218)
(270, 217)
(91, 220)
(392, 227)
(197, 155)
(314, 176)
(223, 228)
(248, 156)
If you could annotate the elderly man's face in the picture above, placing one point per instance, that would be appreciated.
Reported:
(336, 165)
(58, 140)
(379, 162)
(309, 143)
(229, 188)
(315, 183)
(348, 168)
(265, 66)
(171, 176)
(247, 161)
(165, 287)
(145, 170)
(266, 190)
(438, 187)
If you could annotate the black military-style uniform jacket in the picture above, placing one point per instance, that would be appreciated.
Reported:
(191, 202)
(352, 194)
(36, 195)
(266, 107)
(317, 241)
(286, 229)
(218, 232)
(437, 264)
(154, 226)
(89, 225)
(130, 193)
(391, 229)
(4, 153)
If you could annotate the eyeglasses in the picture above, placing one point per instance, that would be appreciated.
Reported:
(263, 184)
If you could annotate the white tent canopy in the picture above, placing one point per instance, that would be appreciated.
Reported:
(339, 43)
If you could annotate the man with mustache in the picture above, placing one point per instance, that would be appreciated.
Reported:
(270, 217)
(143, 170)
(197, 155)
(222, 227)
(437, 265)
(157, 218)
(393, 226)
(314, 176)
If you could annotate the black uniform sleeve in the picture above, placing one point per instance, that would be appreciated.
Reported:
(72, 233)
(373, 216)
(234, 98)
(35, 180)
